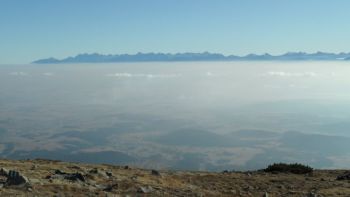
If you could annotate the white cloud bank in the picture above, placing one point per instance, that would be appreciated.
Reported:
(48, 74)
(290, 74)
(142, 75)
(19, 74)
(210, 74)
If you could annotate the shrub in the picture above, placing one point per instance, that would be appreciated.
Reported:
(289, 168)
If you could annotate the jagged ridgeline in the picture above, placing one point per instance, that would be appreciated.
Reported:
(206, 56)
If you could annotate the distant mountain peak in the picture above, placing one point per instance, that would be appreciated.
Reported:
(46, 61)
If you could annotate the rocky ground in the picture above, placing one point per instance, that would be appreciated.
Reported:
(54, 178)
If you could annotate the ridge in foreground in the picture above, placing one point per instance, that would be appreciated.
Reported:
(54, 178)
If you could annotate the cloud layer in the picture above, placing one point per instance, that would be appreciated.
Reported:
(142, 75)
(291, 74)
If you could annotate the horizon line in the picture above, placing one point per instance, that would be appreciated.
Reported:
(191, 56)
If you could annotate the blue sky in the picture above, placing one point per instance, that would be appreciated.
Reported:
(37, 29)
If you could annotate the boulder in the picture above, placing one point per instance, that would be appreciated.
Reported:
(74, 177)
(68, 176)
(15, 178)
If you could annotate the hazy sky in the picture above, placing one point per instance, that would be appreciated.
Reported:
(36, 29)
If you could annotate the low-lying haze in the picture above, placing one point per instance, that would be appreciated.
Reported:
(193, 115)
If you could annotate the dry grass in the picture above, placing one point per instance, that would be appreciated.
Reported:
(170, 183)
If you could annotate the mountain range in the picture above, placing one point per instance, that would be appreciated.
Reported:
(205, 56)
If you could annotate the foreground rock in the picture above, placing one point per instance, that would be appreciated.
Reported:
(12, 178)
(54, 178)
(68, 176)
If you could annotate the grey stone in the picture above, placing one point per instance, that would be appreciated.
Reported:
(4, 172)
(98, 186)
(75, 177)
(109, 174)
(110, 187)
(68, 176)
(15, 178)
(145, 190)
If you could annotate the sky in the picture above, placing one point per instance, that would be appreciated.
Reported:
(36, 29)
